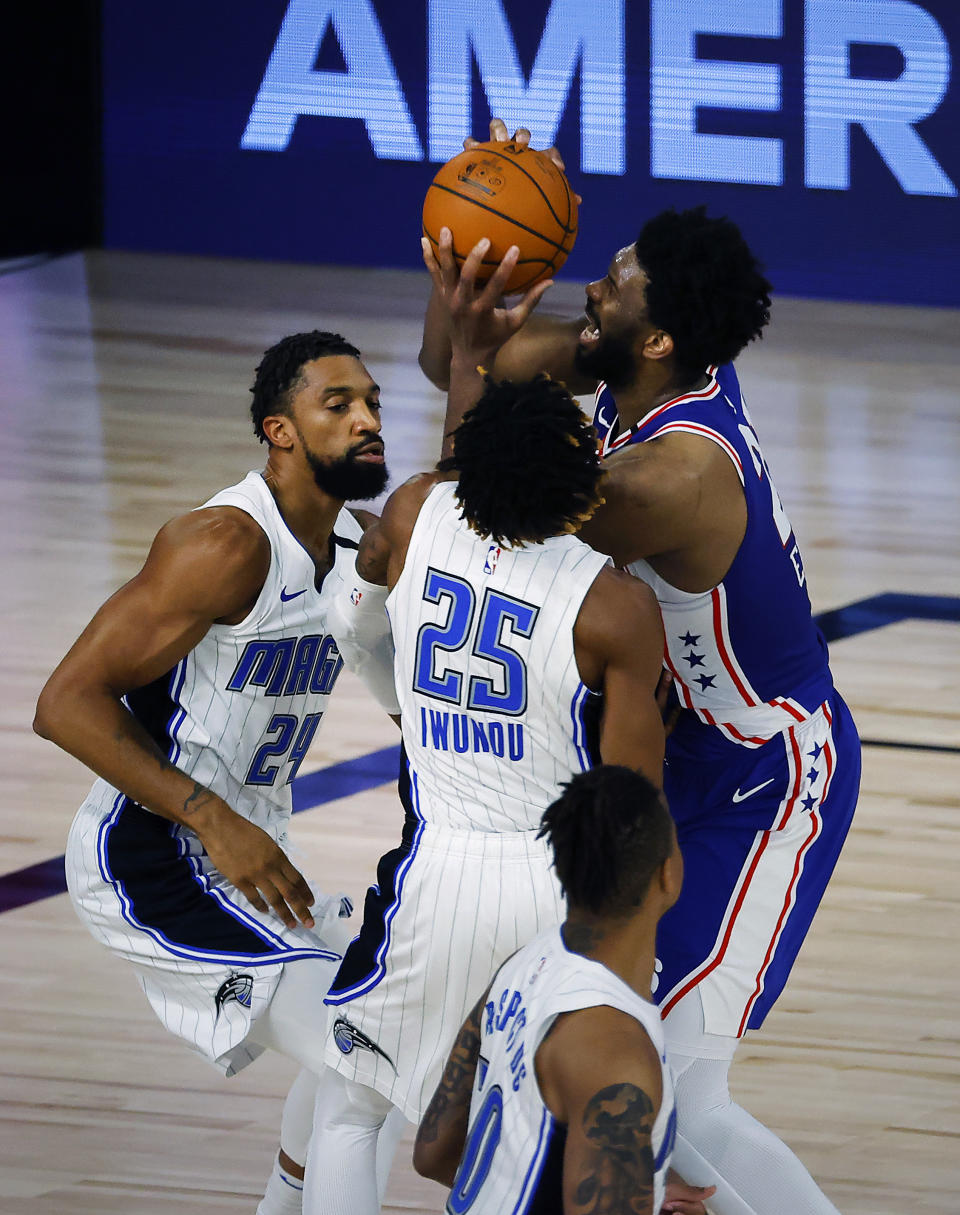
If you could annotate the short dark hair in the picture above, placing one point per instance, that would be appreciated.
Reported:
(706, 289)
(526, 462)
(280, 370)
(610, 831)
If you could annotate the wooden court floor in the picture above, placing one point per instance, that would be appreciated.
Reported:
(123, 399)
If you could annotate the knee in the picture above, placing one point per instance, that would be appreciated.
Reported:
(348, 1107)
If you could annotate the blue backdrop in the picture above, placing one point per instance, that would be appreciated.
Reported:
(309, 130)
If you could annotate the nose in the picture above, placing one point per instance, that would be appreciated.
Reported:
(367, 420)
(593, 291)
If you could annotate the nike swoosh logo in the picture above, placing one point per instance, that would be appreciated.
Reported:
(296, 594)
(742, 797)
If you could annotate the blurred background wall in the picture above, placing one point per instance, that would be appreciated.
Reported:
(308, 130)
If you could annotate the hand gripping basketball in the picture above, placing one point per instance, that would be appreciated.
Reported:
(511, 194)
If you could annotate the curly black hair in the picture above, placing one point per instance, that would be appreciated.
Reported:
(280, 368)
(706, 289)
(526, 462)
(610, 831)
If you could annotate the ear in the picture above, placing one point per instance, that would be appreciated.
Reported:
(658, 345)
(671, 877)
(280, 431)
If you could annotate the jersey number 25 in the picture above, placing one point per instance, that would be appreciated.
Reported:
(500, 617)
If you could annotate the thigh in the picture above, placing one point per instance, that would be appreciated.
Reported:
(294, 1022)
(759, 847)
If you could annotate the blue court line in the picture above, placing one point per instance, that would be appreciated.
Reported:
(45, 879)
(881, 610)
(937, 748)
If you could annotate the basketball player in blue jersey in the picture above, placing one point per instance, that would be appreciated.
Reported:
(556, 1096)
(193, 694)
(763, 769)
(522, 657)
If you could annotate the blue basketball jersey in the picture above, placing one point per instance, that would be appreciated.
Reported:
(746, 656)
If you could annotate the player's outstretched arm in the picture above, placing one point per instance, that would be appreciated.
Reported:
(204, 567)
(477, 324)
(618, 638)
(443, 1131)
(599, 1074)
(541, 343)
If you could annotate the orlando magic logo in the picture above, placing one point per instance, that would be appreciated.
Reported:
(493, 556)
(237, 987)
(347, 1037)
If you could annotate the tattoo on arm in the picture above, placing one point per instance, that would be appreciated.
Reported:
(617, 1174)
(449, 1111)
(196, 799)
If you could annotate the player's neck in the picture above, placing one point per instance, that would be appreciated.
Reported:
(626, 946)
(308, 512)
(656, 382)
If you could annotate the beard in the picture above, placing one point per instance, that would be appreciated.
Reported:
(349, 479)
(611, 359)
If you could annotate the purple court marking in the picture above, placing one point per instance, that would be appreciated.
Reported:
(46, 878)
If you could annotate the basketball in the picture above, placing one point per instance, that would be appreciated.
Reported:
(512, 194)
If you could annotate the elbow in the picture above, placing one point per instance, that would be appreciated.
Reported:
(431, 1161)
(61, 703)
(45, 715)
(439, 379)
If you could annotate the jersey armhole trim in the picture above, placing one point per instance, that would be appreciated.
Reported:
(705, 432)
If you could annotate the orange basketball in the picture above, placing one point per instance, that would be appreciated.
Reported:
(511, 194)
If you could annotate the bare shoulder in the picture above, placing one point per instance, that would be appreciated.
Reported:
(218, 555)
(384, 543)
(674, 465)
(619, 605)
(223, 533)
(593, 1050)
(402, 507)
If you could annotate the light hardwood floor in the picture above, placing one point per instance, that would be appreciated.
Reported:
(123, 400)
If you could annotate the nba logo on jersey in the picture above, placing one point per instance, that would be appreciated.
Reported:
(493, 556)
(355, 596)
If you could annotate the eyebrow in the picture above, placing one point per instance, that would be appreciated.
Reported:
(340, 389)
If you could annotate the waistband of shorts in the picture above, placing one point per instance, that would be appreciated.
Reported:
(482, 844)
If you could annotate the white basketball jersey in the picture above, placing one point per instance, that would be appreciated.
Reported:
(494, 713)
(240, 710)
(513, 1158)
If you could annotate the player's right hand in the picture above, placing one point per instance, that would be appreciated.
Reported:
(478, 324)
(259, 868)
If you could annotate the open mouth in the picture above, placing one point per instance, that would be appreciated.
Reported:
(371, 454)
(590, 334)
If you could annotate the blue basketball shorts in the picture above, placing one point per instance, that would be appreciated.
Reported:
(760, 831)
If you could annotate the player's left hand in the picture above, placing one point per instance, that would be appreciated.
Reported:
(683, 1199)
(479, 324)
(521, 137)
